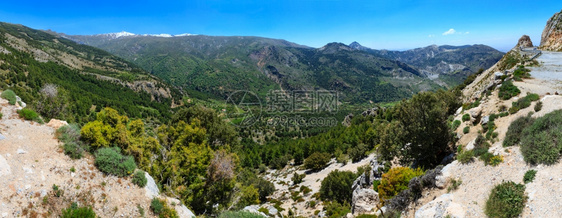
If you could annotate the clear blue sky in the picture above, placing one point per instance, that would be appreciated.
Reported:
(384, 24)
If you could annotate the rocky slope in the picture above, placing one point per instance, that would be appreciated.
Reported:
(551, 38)
(32, 161)
(477, 178)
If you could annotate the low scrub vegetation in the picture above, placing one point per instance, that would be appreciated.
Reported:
(78, 212)
(508, 90)
(111, 161)
(541, 141)
(523, 103)
(515, 130)
(29, 114)
(317, 161)
(337, 186)
(69, 135)
(506, 200)
(9, 95)
(529, 176)
(466, 117)
(396, 180)
(161, 208)
(139, 178)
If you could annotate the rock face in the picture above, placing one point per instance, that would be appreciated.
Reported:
(551, 38)
(442, 179)
(364, 200)
(524, 42)
(151, 187)
(441, 207)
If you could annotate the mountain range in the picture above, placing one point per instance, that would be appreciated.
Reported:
(214, 66)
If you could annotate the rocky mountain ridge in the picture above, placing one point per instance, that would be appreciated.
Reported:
(551, 38)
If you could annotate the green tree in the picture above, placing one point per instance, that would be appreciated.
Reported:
(337, 186)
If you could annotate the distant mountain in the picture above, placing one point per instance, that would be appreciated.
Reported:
(447, 65)
(87, 78)
(214, 66)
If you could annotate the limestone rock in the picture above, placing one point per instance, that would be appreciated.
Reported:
(441, 207)
(551, 38)
(485, 120)
(56, 124)
(441, 180)
(151, 188)
(475, 112)
(524, 42)
(364, 200)
(254, 209)
(470, 145)
(182, 210)
(4, 167)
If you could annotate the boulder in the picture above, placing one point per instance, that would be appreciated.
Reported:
(458, 111)
(272, 210)
(151, 188)
(364, 200)
(442, 206)
(485, 120)
(441, 180)
(498, 75)
(475, 112)
(254, 209)
(182, 210)
(56, 124)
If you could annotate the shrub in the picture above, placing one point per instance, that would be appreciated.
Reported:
(73, 150)
(416, 187)
(465, 156)
(521, 72)
(429, 178)
(263, 210)
(78, 212)
(506, 200)
(538, 106)
(454, 185)
(110, 161)
(280, 162)
(156, 205)
(139, 178)
(508, 90)
(529, 176)
(466, 130)
(455, 124)
(396, 180)
(317, 161)
(297, 178)
(540, 141)
(465, 117)
(28, 114)
(513, 135)
(358, 152)
(9, 95)
(337, 209)
(337, 186)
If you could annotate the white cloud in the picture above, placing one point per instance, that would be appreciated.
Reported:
(431, 36)
(466, 33)
(449, 32)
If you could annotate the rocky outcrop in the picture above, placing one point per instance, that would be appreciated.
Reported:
(151, 188)
(56, 124)
(347, 120)
(551, 38)
(364, 200)
(442, 206)
(525, 42)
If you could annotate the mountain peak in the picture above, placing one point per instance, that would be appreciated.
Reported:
(355, 45)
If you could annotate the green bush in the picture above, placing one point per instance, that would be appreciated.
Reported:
(466, 130)
(529, 176)
(73, 150)
(465, 117)
(78, 212)
(508, 90)
(337, 186)
(70, 136)
(297, 178)
(454, 185)
(358, 152)
(515, 130)
(540, 141)
(28, 114)
(538, 107)
(521, 72)
(9, 95)
(455, 124)
(523, 103)
(506, 200)
(110, 161)
(156, 206)
(317, 161)
(139, 178)
(396, 180)
(337, 209)
(465, 156)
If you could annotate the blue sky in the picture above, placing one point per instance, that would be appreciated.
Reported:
(395, 25)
